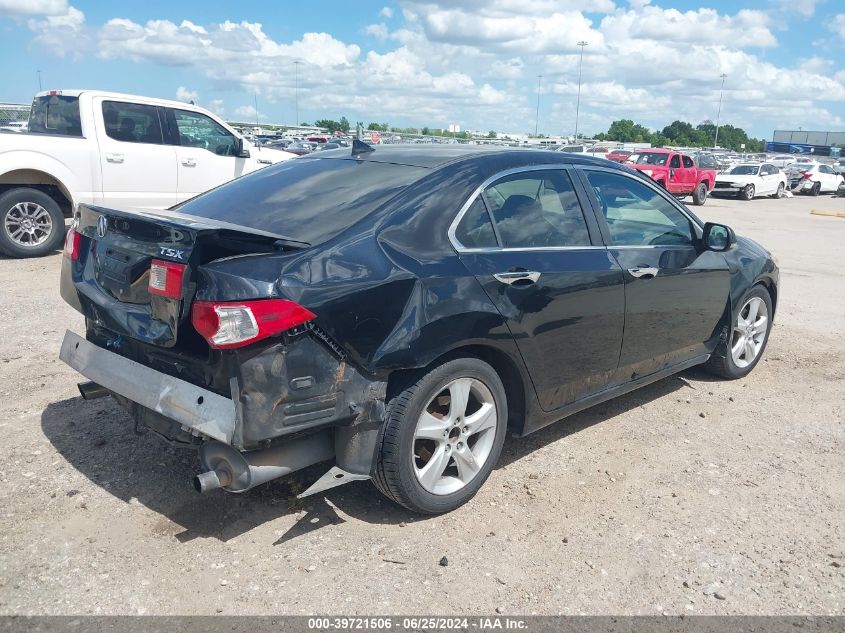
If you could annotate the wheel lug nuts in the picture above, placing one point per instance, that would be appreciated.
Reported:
(466, 429)
(460, 445)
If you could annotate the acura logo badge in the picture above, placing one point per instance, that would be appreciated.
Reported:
(102, 226)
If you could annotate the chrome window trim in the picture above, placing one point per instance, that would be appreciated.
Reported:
(456, 244)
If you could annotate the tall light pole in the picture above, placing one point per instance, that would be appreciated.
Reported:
(582, 44)
(719, 113)
(296, 89)
(537, 117)
(39, 80)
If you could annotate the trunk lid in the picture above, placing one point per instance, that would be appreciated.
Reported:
(111, 277)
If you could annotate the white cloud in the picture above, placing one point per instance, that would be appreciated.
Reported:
(216, 106)
(837, 25)
(804, 8)
(183, 94)
(18, 8)
(61, 34)
(248, 113)
(386, 13)
(378, 31)
(704, 26)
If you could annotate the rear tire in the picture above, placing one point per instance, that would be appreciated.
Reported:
(31, 223)
(699, 196)
(779, 193)
(433, 456)
(739, 359)
(816, 190)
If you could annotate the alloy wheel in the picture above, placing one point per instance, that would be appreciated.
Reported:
(749, 332)
(454, 436)
(748, 192)
(28, 224)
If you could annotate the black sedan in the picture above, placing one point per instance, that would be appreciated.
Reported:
(399, 309)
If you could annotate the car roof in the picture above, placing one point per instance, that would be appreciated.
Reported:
(432, 156)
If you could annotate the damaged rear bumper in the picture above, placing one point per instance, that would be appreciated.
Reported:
(198, 409)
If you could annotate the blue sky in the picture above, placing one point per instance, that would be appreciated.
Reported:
(435, 62)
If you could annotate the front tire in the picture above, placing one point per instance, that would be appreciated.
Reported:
(31, 223)
(751, 324)
(699, 196)
(748, 192)
(442, 437)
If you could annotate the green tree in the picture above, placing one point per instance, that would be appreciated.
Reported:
(378, 127)
(491, 134)
(344, 124)
(425, 131)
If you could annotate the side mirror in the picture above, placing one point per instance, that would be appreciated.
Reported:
(240, 150)
(718, 237)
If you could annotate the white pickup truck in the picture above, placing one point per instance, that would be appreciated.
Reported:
(115, 150)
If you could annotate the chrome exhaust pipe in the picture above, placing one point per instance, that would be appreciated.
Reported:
(233, 471)
(91, 390)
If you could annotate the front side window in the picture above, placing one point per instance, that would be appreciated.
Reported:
(636, 214)
(131, 122)
(198, 130)
(676, 162)
(537, 209)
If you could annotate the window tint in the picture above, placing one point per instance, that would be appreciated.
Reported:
(676, 162)
(55, 114)
(537, 209)
(307, 199)
(825, 169)
(636, 214)
(131, 122)
(688, 162)
(475, 229)
(197, 130)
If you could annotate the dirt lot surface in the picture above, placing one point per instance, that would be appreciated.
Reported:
(692, 495)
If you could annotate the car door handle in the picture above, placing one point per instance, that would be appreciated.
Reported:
(644, 272)
(114, 158)
(512, 276)
(189, 162)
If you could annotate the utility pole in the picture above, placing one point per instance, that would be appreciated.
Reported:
(582, 44)
(39, 80)
(537, 117)
(719, 113)
(296, 90)
(255, 96)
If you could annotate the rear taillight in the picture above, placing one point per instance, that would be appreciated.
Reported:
(233, 324)
(71, 250)
(806, 175)
(166, 279)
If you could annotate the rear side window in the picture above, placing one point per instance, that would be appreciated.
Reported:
(688, 162)
(305, 199)
(55, 114)
(132, 122)
(475, 229)
(537, 209)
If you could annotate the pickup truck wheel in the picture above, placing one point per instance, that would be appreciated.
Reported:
(442, 437)
(699, 196)
(781, 189)
(31, 223)
(748, 192)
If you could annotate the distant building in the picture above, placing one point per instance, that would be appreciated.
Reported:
(809, 142)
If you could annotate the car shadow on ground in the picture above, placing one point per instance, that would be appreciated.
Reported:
(98, 439)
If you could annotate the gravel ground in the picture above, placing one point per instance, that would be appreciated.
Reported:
(690, 496)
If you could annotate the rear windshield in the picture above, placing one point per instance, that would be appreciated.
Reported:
(745, 170)
(652, 158)
(55, 114)
(305, 199)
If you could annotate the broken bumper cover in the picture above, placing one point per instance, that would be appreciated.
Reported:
(198, 409)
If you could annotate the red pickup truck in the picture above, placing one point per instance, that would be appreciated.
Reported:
(675, 172)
